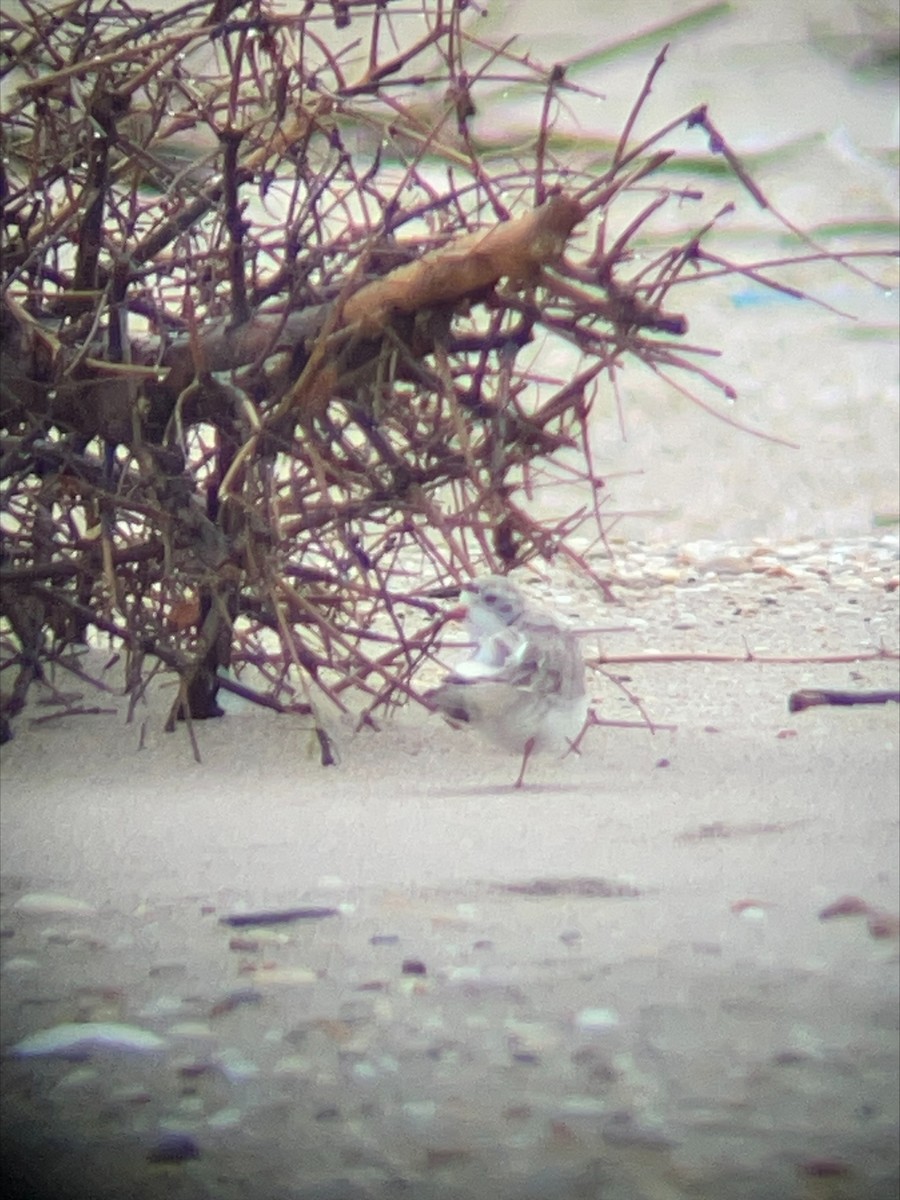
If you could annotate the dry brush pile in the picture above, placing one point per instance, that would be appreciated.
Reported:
(268, 325)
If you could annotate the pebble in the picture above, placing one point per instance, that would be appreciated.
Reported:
(225, 1118)
(261, 937)
(685, 621)
(625, 1132)
(595, 1019)
(167, 969)
(285, 976)
(79, 1078)
(293, 1065)
(91, 1035)
(235, 1067)
(806, 563)
(51, 902)
(791, 553)
(172, 1148)
(20, 964)
(752, 912)
(162, 1006)
(192, 1029)
(463, 974)
(72, 937)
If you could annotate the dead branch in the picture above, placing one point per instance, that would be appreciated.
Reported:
(813, 697)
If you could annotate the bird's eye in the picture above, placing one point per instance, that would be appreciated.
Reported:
(489, 597)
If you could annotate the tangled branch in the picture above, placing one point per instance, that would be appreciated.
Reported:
(268, 324)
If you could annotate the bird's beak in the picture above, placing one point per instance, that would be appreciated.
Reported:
(459, 613)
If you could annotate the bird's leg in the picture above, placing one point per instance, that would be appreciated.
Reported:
(529, 746)
(589, 720)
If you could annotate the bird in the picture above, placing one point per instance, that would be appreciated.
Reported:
(524, 686)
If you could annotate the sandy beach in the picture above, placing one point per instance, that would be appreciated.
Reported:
(638, 976)
(666, 969)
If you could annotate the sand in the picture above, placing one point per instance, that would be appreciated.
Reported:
(616, 982)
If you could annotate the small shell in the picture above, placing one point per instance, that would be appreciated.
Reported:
(90, 1035)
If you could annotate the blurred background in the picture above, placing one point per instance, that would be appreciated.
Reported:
(807, 94)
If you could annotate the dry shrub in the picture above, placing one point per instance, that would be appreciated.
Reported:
(269, 310)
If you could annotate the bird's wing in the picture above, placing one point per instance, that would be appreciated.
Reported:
(545, 658)
(509, 658)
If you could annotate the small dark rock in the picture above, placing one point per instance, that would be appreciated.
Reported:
(194, 1070)
(278, 916)
(234, 999)
(790, 1058)
(329, 1113)
(173, 1148)
(825, 1168)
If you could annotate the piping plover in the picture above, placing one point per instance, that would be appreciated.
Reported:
(524, 685)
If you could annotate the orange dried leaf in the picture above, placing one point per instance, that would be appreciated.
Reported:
(184, 614)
